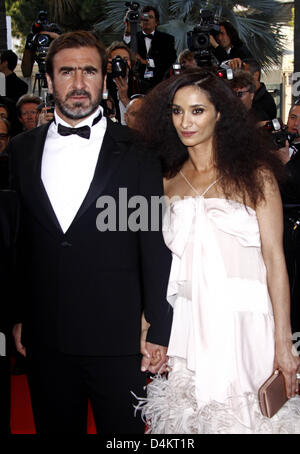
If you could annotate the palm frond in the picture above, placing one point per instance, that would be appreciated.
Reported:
(256, 21)
(59, 8)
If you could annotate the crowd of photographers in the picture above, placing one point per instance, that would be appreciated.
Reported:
(137, 64)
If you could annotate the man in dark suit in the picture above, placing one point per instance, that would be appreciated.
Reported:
(290, 193)
(8, 230)
(15, 87)
(87, 269)
(155, 50)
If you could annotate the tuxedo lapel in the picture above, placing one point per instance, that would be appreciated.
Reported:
(110, 157)
(34, 190)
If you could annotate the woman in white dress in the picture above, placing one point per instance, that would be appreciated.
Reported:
(228, 284)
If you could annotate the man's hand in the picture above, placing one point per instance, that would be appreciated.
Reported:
(284, 153)
(235, 63)
(122, 86)
(213, 42)
(141, 60)
(17, 333)
(154, 358)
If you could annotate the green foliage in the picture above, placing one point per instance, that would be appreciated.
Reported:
(74, 15)
(258, 22)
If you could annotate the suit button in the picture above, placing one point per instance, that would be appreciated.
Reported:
(65, 244)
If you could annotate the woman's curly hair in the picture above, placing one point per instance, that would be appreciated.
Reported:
(243, 153)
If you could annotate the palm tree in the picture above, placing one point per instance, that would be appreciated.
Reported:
(258, 22)
(297, 37)
(3, 30)
(58, 8)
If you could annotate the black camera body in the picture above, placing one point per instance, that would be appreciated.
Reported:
(198, 39)
(133, 14)
(118, 67)
(39, 43)
(280, 133)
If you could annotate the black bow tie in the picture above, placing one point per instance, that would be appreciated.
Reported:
(148, 36)
(83, 131)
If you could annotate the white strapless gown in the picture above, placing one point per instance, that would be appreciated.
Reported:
(221, 347)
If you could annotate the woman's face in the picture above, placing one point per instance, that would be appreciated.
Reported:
(194, 116)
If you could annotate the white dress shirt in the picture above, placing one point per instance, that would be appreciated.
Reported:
(68, 166)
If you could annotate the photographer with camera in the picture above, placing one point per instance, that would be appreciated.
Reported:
(288, 140)
(122, 81)
(15, 87)
(37, 44)
(155, 50)
(243, 85)
(227, 45)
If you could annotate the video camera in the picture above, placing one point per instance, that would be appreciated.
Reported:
(198, 39)
(39, 43)
(133, 14)
(280, 133)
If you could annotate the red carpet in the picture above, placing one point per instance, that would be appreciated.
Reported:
(21, 412)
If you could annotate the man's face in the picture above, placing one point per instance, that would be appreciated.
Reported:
(245, 96)
(77, 83)
(149, 25)
(293, 122)
(29, 115)
(4, 137)
(223, 38)
(123, 54)
(3, 113)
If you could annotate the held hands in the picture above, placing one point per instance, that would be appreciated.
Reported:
(154, 356)
(17, 333)
(288, 361)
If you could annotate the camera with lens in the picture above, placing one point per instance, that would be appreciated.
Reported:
(39, 43)
(133, 14)
(198, 38)
(280, 133)
(118, 67)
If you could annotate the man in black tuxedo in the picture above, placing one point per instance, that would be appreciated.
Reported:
(155, 50)
(8, 230)
(87, 271)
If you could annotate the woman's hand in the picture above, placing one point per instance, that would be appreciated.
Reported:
(287, 360)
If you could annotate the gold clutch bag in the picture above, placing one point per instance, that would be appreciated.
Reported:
(272, 394)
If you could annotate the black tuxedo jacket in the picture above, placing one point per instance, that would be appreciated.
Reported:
(83, 291)
(9, 215)
(162, 51)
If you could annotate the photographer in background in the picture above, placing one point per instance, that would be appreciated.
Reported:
(243, 85)
(27, 110)
(122, 81)
(290, 193)
(155, 50)
(15, 87)
(38, 40)
(227, 44)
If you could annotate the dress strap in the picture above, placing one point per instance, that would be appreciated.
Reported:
(194, 189)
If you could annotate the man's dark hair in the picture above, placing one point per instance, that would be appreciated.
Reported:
(11, 58)
(148, 8)
(232, 33)
(75, 40)
(253, 65)
(243, 79)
